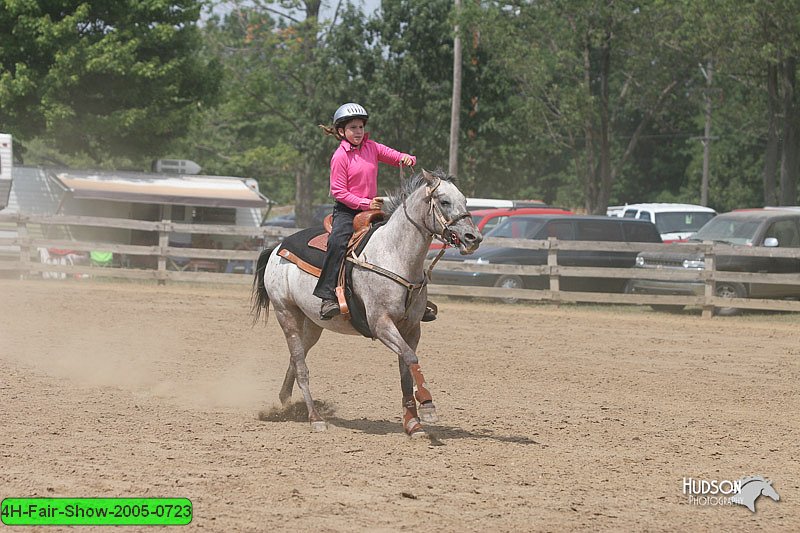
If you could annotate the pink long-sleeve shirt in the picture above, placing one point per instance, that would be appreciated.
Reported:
(354, 171)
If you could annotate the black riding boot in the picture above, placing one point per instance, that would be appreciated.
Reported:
(337, 249)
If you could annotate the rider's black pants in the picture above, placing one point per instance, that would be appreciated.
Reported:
(337, 248)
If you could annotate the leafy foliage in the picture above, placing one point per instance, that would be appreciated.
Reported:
(103, 77)
(580, 105)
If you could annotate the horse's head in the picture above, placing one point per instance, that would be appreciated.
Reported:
(451, 220)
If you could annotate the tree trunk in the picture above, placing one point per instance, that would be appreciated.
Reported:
(606, 179)
(589, 179)
(303, 208)
(304, 179)
(312, 10)
(709, 75)
(455, 105)
(600, 175)
(789, 154)
(771, 151)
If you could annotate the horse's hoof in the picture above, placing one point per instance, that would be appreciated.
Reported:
(413, 428)
(427, 413)
(418, 433)
(319, 425)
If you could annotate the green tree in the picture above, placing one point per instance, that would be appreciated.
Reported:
(753, 99)
(397, 64)
(282, 80)
(594, 78)
(410, 87)
(103, 77)
(768, 56)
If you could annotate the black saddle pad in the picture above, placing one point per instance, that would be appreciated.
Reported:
(297, 243)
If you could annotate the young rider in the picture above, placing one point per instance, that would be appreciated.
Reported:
(354, 186)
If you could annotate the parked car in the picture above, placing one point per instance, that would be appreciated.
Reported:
(541, 227)
(488, 219)
(289, 221)
(759, 227)
(675, 222)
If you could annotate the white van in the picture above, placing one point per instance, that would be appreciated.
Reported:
(675, 222)
(495, 203)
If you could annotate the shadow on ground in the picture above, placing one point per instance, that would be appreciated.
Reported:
(297, 412)
(437, 432)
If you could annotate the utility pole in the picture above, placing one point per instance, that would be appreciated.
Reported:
(455, 107)
(708, 73)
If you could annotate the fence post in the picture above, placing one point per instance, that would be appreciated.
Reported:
(709, 283)
(24, 247)
(163, 242)
(552, 264)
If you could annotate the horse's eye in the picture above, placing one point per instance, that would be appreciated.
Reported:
(445, 203)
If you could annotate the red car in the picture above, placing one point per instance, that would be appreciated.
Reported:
(486, 219)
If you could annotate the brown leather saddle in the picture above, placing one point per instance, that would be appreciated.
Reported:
(362, 224)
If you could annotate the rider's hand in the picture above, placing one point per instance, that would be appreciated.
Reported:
(407, 161)
(376, 203)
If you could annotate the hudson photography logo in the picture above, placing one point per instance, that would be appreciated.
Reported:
(743, 491)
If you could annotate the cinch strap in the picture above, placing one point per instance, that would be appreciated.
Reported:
(412, 289)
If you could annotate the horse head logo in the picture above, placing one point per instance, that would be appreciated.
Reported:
(752, 488)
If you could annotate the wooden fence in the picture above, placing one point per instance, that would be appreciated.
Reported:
(163, 252)
(708, 275)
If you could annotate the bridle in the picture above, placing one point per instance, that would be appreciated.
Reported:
(447, 236)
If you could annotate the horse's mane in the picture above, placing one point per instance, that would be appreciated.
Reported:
(395, 199)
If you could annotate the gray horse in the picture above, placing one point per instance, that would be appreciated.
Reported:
(389, 278)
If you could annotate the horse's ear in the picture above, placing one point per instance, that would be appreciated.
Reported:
(430, 178)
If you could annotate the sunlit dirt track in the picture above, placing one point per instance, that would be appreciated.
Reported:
(571, 418)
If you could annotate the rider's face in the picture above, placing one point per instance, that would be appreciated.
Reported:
(353, 131)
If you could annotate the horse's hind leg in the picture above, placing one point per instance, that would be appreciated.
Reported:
(293, 324)
(310, 336)
(285, 395)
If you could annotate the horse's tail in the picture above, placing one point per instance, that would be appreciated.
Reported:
(260, 299)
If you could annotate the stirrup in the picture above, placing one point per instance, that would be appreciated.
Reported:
(431, 312)
(329, 309)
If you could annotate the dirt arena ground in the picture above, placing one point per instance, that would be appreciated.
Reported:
(571, 418)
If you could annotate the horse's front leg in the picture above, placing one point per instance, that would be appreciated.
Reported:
(410, 372)
(411, 422)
